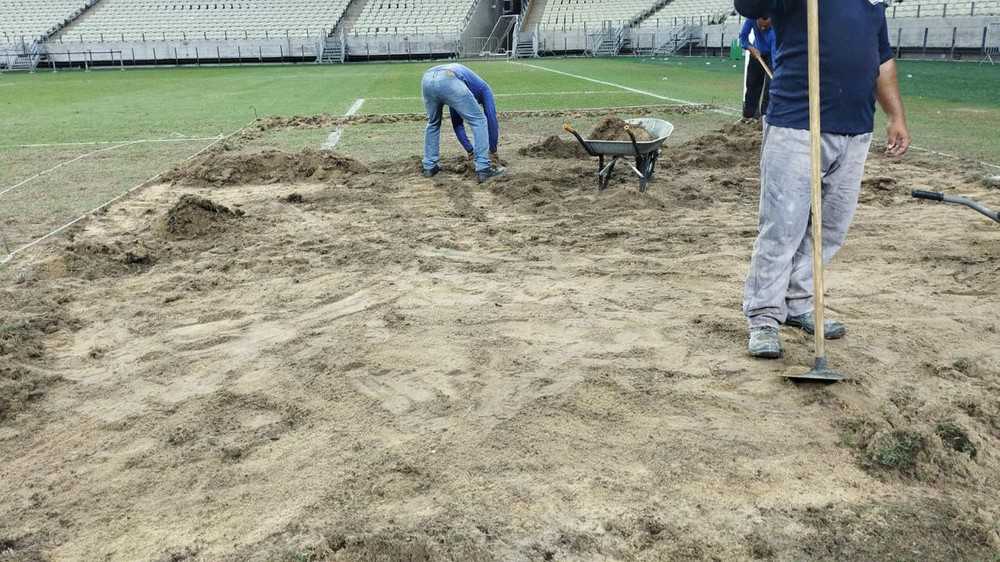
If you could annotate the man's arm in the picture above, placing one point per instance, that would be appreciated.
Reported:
(745, 34)
(887, 91)
(490, 109)
(459, 125)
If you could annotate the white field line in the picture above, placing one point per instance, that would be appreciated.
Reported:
(116, 198)
(88, 143)
(356, 107)
(334, 138)
(721, 109)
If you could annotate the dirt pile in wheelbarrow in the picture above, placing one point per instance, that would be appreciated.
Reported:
(193, 217)
(729, 146)
(612, 128)
(265, 167)
(554, 147)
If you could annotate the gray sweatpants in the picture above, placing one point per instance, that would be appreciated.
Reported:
(780, 282)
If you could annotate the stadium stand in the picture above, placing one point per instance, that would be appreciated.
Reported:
(694, 11)
(29, 20)
(136, 20)
(398, 17)
(942, 8)
(575, 14)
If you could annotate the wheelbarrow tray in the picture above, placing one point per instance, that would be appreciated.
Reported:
(658, 128)
(646, 153)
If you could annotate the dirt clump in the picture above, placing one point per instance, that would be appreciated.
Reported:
(554, 147)
(194, 216)
(878, 190)
(732, 145)
(293, 198)
(25, 321)
(266, 167)
(612, 128)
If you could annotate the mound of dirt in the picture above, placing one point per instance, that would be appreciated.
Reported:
(878, 190)
(194, 216)
(93, 260)
(612, 128)
(554, 147)
(266, 167)
(731, 145)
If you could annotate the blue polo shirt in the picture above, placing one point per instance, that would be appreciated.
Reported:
(484, 95)
(763, 40)
(853, 44)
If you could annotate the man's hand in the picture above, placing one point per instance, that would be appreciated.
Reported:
(887, 91)
(755, 52)
(471, 155)
(898, 138)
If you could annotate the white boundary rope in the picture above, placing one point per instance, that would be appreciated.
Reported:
(60, 165)
(89, 143)
(120, 196)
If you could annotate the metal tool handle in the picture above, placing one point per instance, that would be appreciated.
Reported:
(954, 200)
(929, 195)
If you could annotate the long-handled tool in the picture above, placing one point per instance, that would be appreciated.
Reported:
(820, 371)
(934, 196)
(763, 64)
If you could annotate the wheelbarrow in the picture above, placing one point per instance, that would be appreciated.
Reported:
(934, 196)
(646, 153)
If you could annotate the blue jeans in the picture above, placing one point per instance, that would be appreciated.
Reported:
(441, 88)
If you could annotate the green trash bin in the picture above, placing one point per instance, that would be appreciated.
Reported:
(735, 51)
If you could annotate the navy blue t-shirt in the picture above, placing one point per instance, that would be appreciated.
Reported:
(853, 44)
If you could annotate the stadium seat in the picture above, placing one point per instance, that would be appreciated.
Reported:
(135, 20)
(32, 19)
(403, 17)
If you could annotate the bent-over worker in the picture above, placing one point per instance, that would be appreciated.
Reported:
(469, 100)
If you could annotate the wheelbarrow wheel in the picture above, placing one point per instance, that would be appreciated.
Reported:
(652, 165)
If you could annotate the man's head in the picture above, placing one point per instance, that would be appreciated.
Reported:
(764, 23)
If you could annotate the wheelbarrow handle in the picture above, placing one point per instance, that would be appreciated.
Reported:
(569, 129)
(635, 145)
(929, 195)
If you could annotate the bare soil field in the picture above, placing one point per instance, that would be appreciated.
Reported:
(307, 356)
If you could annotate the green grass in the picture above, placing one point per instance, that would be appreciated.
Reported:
(952, 107)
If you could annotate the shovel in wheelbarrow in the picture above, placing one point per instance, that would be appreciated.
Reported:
(954, 200)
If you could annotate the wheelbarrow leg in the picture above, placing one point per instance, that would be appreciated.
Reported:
(604, 178)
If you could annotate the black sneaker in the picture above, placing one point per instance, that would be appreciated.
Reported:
(432, 172)
(490, 173)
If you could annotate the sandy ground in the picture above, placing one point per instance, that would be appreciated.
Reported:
(303, 357)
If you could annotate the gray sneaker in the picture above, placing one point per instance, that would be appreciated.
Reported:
(765, 343)
(834, 330)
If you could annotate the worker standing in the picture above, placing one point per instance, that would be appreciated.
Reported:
(757, 37)
(469, 100)
(856, 68)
